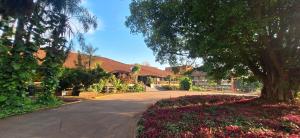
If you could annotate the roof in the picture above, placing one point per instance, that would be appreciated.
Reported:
(197, 73)
(152, 71)
(110, 65)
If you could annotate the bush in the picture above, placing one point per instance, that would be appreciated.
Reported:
(170, 87)
(98, 87)
(123, 88)
(197, 88)
(149, 81)
(26, 106)
(82, 79)
(138, 87)
(185, 84)
(115, 82)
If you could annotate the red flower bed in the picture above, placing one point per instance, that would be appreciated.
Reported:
(219, 117)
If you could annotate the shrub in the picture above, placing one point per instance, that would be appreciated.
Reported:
(138, 87)
(123, 87)
(149, 81)
(185, 84)
(98, 87)
(82, 79)
(197, 88)
(170, 87)
(117, 83)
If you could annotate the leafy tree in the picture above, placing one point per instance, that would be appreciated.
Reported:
(17, 63)
(257, 38)
(186, 84)
(42, 24)
(81, 78)
(90, 51)
(135, 70)
(56, 20)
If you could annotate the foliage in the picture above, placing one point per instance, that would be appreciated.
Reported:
(138, 87)
(16, 69)
(111, 80)
(149, 81)
(89, 50)
(117, 84)
(27, 26)
(170, 87)
(98, 87)
(186, 83)
(28, 106)
(51, 71)
(197, 88)
(248, 85)
(169, 78)
(82, 79)
(234, 38)
(217, 116)
(136, 69)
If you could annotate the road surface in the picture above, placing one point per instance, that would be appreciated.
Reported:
(112, 116)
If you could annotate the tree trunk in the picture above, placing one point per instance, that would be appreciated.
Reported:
(90, 61)
(277, 89)
(20, 33)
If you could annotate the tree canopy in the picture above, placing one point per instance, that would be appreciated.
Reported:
(258, 38)
(27, 26)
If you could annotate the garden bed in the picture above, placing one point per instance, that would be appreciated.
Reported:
(32, 106)
(26, 108)
(219, 116)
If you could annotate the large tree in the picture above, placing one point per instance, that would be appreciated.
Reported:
(29, 25)
(58, 16)
(257, 38)
(90, 51)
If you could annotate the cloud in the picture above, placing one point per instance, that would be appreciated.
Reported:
(100, 27)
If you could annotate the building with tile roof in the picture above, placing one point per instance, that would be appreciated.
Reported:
(111, 66)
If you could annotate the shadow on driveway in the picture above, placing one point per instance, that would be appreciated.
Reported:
(113, 116)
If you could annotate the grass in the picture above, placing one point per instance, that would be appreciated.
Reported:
(219, 116)
(13, 111)
(31, 106)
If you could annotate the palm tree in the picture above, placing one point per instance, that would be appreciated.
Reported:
(90, 51)
(60, 14)
(135, 70)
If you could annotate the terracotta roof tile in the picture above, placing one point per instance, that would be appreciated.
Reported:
(110, 65)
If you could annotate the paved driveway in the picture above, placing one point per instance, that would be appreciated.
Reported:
(112, 116)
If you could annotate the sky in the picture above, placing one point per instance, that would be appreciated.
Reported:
(112, 38)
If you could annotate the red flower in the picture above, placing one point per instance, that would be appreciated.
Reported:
(233, 129)
(293, 118)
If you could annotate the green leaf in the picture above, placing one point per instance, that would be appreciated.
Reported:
(16, 66)
(2, 98)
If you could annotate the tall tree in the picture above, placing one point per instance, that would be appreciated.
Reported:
(28, 25)
(135, 70)
(257, 38)
(89, 50)
(60, 15)
(17, 63)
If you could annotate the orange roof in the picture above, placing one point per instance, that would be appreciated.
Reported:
(110, 65)
(152, 71)
(107, 64)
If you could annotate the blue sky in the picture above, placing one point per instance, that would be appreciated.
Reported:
(113, 38)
